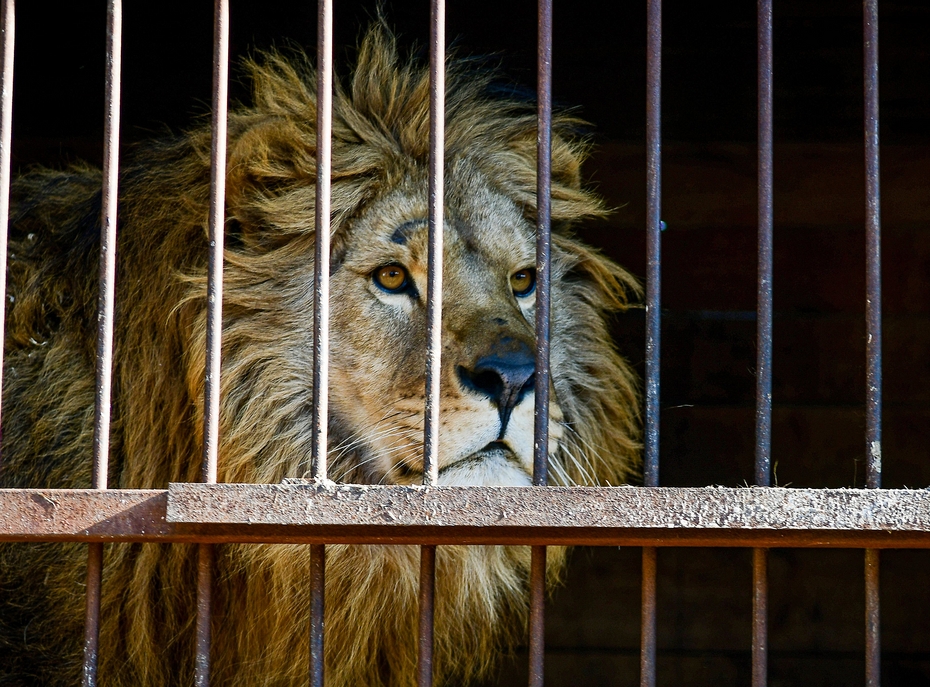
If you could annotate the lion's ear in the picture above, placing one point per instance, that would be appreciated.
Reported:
(570, 202)
(270, 181)
(267, 157)
(610, 286)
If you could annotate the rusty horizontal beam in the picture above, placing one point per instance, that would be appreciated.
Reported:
(617, 516)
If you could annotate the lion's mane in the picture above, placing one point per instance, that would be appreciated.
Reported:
(380, 129)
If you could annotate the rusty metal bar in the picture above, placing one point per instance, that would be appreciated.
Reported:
(653, 316)
(537, 616)
(92, 614)
(320, 448)
(647, 662)
(324, 158)
(427, 600)
(653, 237)
(873, 301)
(760, 632)
(107, 246)
(204, 614)
(764, 298)
(543, 242)
(437, 128)
(105, 314)
(317, 606)
(874, 329)
(537, 624)
(608, 516)
(437, 132)
(873, 651)
(763, 470)
(217, 221)
(8, 29)
(211, 410)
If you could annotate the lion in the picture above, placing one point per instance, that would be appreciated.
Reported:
(376, 390)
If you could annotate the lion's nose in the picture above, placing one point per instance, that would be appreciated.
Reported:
(503, 377)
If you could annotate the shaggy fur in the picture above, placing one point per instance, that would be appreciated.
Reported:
(380, 151)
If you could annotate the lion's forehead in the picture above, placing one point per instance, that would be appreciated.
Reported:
(483, 229)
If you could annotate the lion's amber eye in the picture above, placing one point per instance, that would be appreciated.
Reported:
(391, 278)
(523, 282)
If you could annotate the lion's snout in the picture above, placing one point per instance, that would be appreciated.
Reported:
(505, 376)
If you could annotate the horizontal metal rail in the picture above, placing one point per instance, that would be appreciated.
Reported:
(597, 516)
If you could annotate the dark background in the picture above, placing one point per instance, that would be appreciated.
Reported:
(709, 263)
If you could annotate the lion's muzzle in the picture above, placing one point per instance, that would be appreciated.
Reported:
(505, 376)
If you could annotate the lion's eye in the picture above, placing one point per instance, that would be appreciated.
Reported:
(523, 282)
(391, 278)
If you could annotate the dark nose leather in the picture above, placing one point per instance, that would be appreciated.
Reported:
(504, 377)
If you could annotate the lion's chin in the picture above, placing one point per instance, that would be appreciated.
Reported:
(493, 466)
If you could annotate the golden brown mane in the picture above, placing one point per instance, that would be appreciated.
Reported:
(380, 135)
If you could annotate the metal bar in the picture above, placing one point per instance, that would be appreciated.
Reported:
(8, 29)
(665, 516)
(647, 656)
(217, 221)
(653, 317)
(537, 624)
(317, 594)
(873, 303)
(324, 156)
(653, 237)
(873, 309)
(204, 614)
(543, 242)
(107, 246)
(92, 615)
(873, 646)
(537, 616)
(764, 300)
(760, 634)
(437, 130)
(763, 470)
(425, 625)
(105, 315)
(211, 408)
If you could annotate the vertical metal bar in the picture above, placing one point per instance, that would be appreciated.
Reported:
(760, 632)
(427, 603)
(873, 646)
(437, 134)
(873, 252)
(537, 615)
(105, 312)
(537, 638)
(764, 301)
(8, 29)
(216, 225)
(214, 327)
(653, 322)
(543, 242)
(874, 329)
(763, 337)
(317, 590)
(647, 656)
(92, 614)
(324, 128)
(653, 236)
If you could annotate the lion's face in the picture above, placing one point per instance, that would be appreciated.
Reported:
(379, 289)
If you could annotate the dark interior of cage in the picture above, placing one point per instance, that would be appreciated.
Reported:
(709, 206)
